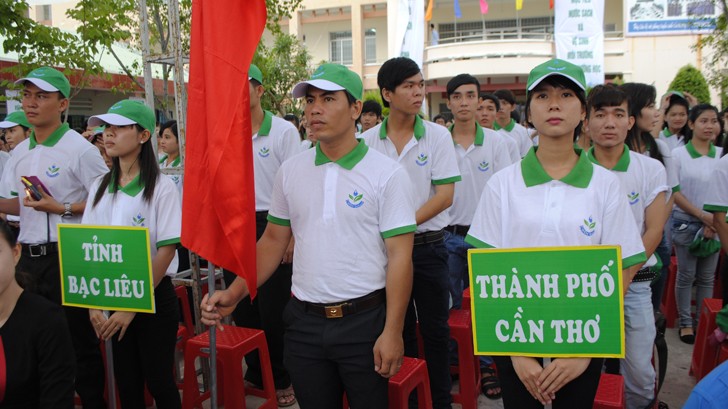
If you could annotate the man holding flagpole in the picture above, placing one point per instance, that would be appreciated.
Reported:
(351, 212)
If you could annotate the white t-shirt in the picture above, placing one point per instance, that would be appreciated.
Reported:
(672, 141)
(716, 199)
(522, 206)
(429, 159)
(127, 207)
(694, 172)
(518, 133)
(276, 141)
(177, 179)
(486, 156)
(642, 179)
(66, 163)
(340, 213)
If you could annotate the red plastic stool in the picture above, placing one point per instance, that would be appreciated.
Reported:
(704, 354)
(466, 299)
(232, 345)
(412, 375)
(669, 305)
(610, 392)
(468, 368)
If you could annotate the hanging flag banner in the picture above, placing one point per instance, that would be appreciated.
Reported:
(579, 35)
(650, 17)
(106, 267)
(410, 34)
(555, 302)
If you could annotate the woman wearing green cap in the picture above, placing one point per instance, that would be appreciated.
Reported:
(542, 201)
(135, 193)
(16, 127)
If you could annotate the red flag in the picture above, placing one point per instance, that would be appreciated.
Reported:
(551, 4)
(218, 208)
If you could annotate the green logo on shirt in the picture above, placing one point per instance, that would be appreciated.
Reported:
(484, 166)
(421, 160)
(588, 227)
(138, 220)
(355, 200)
(52, 171)
(633, 198)
(264, 152)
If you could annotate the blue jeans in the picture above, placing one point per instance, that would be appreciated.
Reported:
(429, 306)
(639, 331)
(664, 251)
(691, 268)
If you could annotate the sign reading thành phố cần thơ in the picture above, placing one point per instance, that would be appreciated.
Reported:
(547, 302)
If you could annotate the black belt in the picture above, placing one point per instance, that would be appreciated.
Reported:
(644, 275)
(345, 308)
(429, 237)
(39, 250)
(458, 229)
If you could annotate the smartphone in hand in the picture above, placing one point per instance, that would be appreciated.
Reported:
(33, 187)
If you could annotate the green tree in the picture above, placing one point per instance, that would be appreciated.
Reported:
(715, 49)
(283, 64)
(690, 79)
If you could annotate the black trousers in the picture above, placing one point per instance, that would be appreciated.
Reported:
(146, 354)
(327, 357)
(579, 393)
(266, 312)
(41, 275)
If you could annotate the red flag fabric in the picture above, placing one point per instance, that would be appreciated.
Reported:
(483, 7)
(218, 207)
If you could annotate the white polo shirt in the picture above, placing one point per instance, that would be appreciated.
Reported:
(66, 163)
(429, 159)
(276, 141)
(518, 133)
(642, 179)
(511, 145)
(126, 207)
(177, 179)
(340, 213)
(716, 199)
(481, 160)
(522, 206)
(673, 141)
(694, 172)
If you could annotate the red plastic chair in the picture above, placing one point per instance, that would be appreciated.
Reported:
(412, 375)
(704, 354)
(610, 393)
(468, 368)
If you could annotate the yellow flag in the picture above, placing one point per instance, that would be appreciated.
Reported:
(519, 4)
(428, 13)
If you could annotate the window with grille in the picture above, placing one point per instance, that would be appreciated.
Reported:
(340, 47)
(370, 46)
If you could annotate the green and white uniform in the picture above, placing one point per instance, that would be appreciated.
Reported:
(518, 133)
(694, 171)
(673, 141)
(177, 179)
(522, 206)
(340, 213)
(717, 197)
(66, 163)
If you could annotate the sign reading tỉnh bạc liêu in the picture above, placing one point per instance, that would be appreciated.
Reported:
(106, 267)
(550, 302)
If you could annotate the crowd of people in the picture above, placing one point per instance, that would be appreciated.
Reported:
(364, 222)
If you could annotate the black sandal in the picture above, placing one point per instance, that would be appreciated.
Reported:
(489, 382)
(687, 338)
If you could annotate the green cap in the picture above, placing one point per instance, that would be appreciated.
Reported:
(556, 67)
(332, 77)
(678, 93)
(254, 73)
(14, 119)
(48, 79)
(126, 112)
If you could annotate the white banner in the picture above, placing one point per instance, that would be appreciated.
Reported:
(410, 34)
(660, 17)
(579, 33)
(13, 101)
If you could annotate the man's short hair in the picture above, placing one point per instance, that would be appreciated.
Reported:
(394, 72)
(372, 106)
(460, 80)
(506, 95)
(488, 96)
(608, 95)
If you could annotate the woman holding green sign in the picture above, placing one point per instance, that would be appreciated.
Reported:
(135, 193)
(554, 197)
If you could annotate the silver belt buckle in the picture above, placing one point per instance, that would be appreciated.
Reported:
(41, 250)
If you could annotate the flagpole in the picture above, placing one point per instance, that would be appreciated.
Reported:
(110, 380)
(213, 337)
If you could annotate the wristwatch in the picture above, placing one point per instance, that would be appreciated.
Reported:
(67, 210)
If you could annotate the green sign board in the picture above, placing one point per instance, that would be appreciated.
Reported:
(106, 267)
(550, 302)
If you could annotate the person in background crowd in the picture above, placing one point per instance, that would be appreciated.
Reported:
(67, 164)
(517, 210)
(434, 35)
(488, 107)
(143, 344)
(439, 119)
(694, 164)
(169, 142)
(371, 115)
(676, 119)
(506, 125)
(16, 129)
(427, 153)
